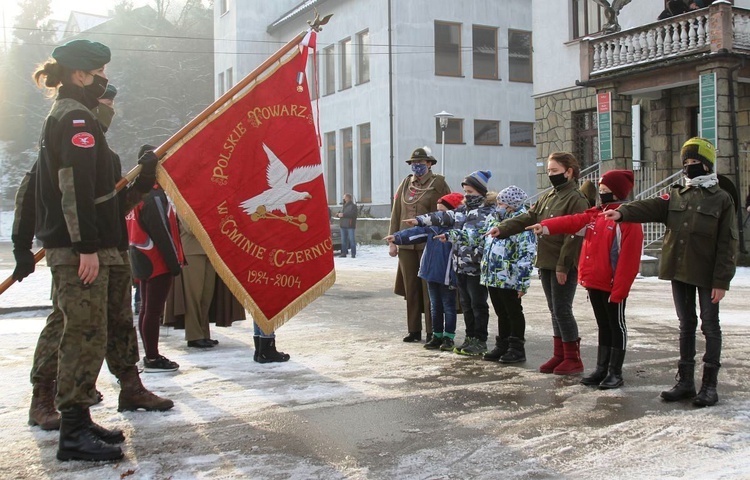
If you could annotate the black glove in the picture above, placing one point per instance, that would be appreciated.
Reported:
(148, 160)
(25, 264)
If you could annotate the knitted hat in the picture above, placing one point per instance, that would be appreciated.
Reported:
(82, 55)
(452, 200)
(109, 93)
(422, 153)
(512, 196)
(478, 180)
(699, 149)
(619, 181)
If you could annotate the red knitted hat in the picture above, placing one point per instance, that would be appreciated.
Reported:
(619, 181)
(452, 200)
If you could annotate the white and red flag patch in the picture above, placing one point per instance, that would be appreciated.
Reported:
(79, 123)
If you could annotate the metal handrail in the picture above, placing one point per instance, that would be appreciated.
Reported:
(654, 232)
(656, 189)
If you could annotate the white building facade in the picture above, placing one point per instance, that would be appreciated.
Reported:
(385, 68)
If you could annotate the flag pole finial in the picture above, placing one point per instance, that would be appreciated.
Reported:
(317, 23)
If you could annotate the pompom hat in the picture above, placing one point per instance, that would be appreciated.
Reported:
(619, 181)
(512, 196)
(478, 180)
(452, 200)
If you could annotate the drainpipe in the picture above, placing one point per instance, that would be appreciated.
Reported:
(735, 153)
(390, 98)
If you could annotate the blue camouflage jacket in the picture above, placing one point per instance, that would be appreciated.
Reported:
(437, 262)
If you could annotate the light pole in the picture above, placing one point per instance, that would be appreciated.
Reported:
(443, 117)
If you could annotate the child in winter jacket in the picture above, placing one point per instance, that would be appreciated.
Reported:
(478, 204)
(436, 268)
(609, 261)
(156, 257)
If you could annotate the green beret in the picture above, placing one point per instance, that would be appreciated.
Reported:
(82, 55)
(109, 93)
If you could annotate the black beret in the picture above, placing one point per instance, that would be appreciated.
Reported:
(109, 93)
(82, 55)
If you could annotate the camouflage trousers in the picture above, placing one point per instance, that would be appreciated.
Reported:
(84, 307)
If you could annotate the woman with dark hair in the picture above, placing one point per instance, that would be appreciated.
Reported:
(557, 259)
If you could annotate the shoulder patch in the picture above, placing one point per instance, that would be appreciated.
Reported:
(83, 140)
(79, 123)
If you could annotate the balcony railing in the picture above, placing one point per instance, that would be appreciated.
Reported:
(718, 27)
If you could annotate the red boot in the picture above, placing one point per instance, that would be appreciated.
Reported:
(572, 363)
(557, 357)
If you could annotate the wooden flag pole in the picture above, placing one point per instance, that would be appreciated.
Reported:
(207, 112)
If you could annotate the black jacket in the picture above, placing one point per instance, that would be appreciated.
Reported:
(349, 215)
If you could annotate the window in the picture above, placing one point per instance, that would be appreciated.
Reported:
(347, 160)
(365, 164)
(330, 72)
(331, 167)
(586, 137)
(519, 56)
(521, 134)
(588, 18)
(486, 132)
(220, 83)
(454, 132)
(223, 6)
(448, 49)
(229, 78)
(312, 78)
(484, 52)
(363, 59)
(346, 63)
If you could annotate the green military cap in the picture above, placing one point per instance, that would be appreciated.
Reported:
(82, 55)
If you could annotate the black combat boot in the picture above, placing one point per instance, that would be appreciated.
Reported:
(106, 435)
(707, 396)
(614, 375)
(685, 388)
(256, 339)
(594, 378)
(267, 352)
(516, 352)
(78, 441)
(501, 346)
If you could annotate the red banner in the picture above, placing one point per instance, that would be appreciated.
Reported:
(249, 182)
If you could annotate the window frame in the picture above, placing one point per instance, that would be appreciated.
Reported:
(576, 5)
(585, 138)
(363, 56)
(497, 124)
(511, 77)
(448, 139)
(220, 83)
(347, 160)
(345, 49)
(474, 53)
(511, 124)
(458, 53)
(331, 177)
(365, 167)
(330, 70)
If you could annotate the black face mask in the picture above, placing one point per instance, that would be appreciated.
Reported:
(694, 170)
(607, 198)
(558, 179)
(97, 87)
(473, 201)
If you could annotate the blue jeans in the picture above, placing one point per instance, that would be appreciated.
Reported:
(348, 241)
(259, 333)
(684, 302)
(474, 304)
(560, 303)
(442, 303)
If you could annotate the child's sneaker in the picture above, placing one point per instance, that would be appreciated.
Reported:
(159, 364)
(467, 342)
(434, 343)
(477, 347)
(447, 345)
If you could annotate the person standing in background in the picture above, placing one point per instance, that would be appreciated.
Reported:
(348, 225)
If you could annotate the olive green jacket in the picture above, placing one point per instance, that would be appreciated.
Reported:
(700, 243)
(416, 196)
(554, 252)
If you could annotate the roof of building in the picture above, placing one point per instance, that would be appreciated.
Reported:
(80, 22)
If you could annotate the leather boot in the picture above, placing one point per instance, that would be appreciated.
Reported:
(557, 357)
(516, 352)
(78, 442)
(685, 388)
(133, 395)
(42, 411)
(256, 339)
(104, 434)
(602, 365)
(571, 363)
(708, 397)
(614, 375)
(268, 353)
(501, 346)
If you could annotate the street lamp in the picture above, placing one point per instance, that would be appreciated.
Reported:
(443, 117)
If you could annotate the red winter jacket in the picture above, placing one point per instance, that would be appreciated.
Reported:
(611, 252)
